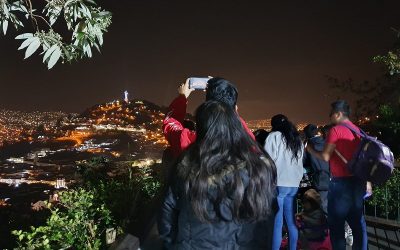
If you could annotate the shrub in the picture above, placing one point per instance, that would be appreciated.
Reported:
(77, 221)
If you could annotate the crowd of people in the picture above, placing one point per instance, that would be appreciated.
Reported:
(231, 189)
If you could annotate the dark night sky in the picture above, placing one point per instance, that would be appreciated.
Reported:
(277, 52)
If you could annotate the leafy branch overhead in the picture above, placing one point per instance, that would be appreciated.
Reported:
(83, 18)
(392, 59)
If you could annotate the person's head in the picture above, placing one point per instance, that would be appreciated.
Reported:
(325, 130)
(340, 111)
(222, 153)
(290, 134)
(261, 135)
(311, 200)
(222, 90)
(310, 131)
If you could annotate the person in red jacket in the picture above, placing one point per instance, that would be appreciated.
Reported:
(179, 137)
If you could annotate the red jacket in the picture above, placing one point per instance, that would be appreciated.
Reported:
(178, 137)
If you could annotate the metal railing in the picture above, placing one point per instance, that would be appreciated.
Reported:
(384, 212)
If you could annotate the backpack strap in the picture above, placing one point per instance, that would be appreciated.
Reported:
(341, 156)
(360, 133)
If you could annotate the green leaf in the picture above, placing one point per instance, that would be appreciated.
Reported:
(32, 47)
(5, 9)
(24, 9)
(99, 36)
(24, 36)
(68, 2)
(91, 1)
(49, 52)
(54, 58)
(5, 26)
(27, 42)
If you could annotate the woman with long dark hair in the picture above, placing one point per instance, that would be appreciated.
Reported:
(286, 149)
(224, 188)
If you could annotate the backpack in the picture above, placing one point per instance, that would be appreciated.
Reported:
(372, 161)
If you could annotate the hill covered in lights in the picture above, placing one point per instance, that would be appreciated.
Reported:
(136, 113)
(116, 129)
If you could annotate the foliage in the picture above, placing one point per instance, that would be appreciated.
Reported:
(150, 186)
(387, 198)
(78, 221)
(369, 95)
(392, 59)
(83, 18)
(124, 193)
(386, 126)
(389, 117)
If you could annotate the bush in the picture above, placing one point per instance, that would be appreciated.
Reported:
(82, 216)
(77, 221)
(122, 194)
(386, 198)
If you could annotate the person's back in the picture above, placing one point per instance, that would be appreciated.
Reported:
(286, 149)
(346, 145)
(289, 170)
(224, 188)
(223, 231)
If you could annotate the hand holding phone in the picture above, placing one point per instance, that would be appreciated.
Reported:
(184, 89)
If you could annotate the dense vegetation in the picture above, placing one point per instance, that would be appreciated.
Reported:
(83, 215)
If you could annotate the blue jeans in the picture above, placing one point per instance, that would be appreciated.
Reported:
(346, 203)
(285, 199)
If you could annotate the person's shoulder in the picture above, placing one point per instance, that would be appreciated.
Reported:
(337, 127)
(343, 129)
(317, 140)
(354, 126)
(275, 134)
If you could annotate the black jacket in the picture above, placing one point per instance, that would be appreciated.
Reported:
(180, 228)
(320, 168)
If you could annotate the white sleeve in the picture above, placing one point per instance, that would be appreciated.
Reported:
(271, 146)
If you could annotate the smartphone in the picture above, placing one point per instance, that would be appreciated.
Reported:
(198, 82)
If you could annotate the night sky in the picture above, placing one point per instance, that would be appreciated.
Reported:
(277, 53)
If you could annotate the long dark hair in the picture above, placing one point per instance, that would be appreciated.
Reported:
(292, 137)
(222, 153)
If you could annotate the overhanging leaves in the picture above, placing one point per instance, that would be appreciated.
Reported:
(85, 20)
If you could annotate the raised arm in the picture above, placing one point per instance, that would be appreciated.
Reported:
(177, 136)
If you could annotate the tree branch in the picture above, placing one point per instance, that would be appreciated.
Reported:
(44, 19)
(33, 19)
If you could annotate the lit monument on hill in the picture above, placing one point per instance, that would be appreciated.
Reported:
(126, 96)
